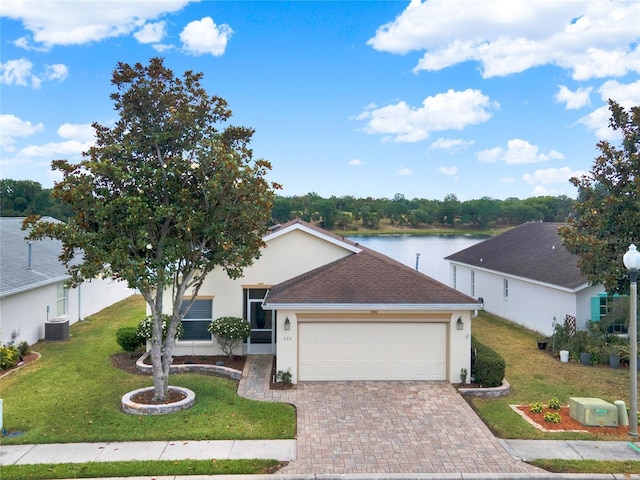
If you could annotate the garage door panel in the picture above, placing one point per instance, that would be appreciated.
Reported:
(372, 351)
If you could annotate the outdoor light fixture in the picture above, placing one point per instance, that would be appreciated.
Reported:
(631, 260)
(459, 324)
(287, 324)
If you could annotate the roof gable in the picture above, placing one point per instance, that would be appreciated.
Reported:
(367, 279)
(300, 225)
(16, 275)
(533, 250)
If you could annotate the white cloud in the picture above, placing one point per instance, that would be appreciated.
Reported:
(356, 162)
(16, 72)
(518, 151)
(551, 176)
(204, 36)
(491, 155)
(69, 148)
(19, 72)
(12, 126)
(151, 32)
(627, 95)
(81, 132)
(574, 100)
(57, 71)
(592, 39)
(452, 110)
(76, 22)
(452, 144)
(405, 172)
(450, 171)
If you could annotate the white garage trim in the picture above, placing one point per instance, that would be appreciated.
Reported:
(357, 350)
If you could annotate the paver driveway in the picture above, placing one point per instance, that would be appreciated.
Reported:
(383, 427)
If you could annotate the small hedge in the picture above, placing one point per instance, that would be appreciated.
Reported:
(129, 339)
(488, 366)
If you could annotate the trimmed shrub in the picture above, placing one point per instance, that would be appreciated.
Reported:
(24, 349)
(128, 339)
(229, 332)
(145, 328)
(9, 357)
(488, 366)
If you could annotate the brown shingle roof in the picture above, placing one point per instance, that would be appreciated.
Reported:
(532, 250)
(365, 278)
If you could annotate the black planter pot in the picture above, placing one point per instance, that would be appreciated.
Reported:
(542, 344)
(585, 358)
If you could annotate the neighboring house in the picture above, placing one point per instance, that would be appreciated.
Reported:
(330, 309)
(527, 276)
(32, 290)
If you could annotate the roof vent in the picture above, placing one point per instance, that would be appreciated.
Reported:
(29, 243)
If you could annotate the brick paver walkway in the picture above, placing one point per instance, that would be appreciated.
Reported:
(383, 427)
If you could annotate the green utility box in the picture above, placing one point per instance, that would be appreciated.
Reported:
(593, 412)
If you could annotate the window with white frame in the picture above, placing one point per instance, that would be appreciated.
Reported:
(61, 300)
(197, 319)
(505, 288)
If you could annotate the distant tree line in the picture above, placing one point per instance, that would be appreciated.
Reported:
(345, 213)
(20, 198)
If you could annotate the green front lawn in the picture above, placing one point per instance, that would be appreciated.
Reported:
(138, 469)
(73, 393)
(535, 376)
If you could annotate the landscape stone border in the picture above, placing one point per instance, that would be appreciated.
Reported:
(190, 368)
(134, 408)
(492, 392)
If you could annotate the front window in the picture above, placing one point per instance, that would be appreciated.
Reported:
(614, 312)
(197, 319)
(61, 300)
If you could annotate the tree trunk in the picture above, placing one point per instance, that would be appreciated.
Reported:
(160, 372)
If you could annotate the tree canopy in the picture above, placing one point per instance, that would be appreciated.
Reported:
(607, 213)
(163, 197)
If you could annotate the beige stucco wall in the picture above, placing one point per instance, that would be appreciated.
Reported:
(285, 256)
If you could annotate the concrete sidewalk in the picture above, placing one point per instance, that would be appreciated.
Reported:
(283, 450)
(529, 450)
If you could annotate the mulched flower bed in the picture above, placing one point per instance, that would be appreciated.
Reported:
(146, 398)
(28, 358)
(567, 424)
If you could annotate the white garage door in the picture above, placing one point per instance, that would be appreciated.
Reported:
(372, 351)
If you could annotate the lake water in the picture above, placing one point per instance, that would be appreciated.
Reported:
(432, 249)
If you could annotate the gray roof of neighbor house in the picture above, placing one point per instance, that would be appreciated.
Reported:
(15, 274)
(533, 250)
(366, 278)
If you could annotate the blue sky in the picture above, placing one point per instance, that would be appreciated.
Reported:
(497, 98)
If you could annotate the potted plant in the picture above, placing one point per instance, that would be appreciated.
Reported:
(614, 356)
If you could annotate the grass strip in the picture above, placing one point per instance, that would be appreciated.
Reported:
(588, 466)
(138, 469)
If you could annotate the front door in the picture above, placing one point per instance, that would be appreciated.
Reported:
(261, 338)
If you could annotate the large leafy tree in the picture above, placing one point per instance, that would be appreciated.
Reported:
(607, 213)
(163, 197)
